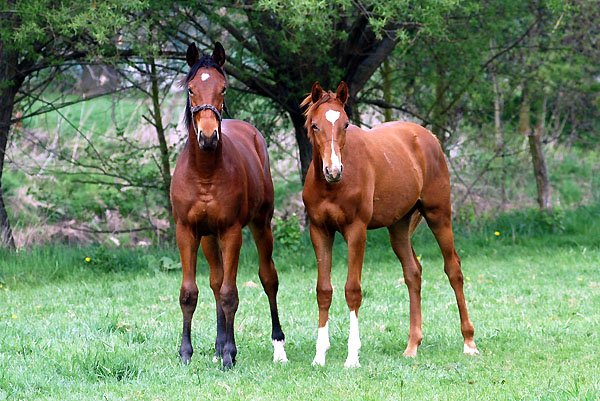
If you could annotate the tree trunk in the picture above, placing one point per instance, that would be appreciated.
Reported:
(534, 137)
(438, 115)
(9, 85)
(165, 168)
(499, 137)
(387, 89)
(539, 162)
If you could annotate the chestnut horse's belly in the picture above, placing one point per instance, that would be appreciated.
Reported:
(398, 184)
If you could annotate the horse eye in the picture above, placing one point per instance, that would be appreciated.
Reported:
(346, 126)
(224, 91)
(314, 127)
(190, 91)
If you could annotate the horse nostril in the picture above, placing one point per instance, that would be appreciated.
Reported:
(215, 134)
(327, 171)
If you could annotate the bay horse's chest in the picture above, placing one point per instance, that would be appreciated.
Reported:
(208, 206)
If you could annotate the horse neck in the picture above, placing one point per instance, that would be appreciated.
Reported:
(204, 162)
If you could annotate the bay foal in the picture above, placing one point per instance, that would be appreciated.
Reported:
(392, 175)
(221, 183)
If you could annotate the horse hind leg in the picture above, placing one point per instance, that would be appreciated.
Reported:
(440, 222)
(411, 268)
(263, 237)
(212, 253)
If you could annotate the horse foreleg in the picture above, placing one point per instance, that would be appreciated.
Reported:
(212, 252)
(356, 237)
(230, 242)
(188, 296)
(322, 243)
(411, 268)
(263, 237)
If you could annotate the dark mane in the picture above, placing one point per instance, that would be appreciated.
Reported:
(312, 108)
(204, 61)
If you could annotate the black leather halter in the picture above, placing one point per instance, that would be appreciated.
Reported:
(195, 109)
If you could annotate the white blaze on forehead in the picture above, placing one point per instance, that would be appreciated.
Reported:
(332, 116)
(204, 76)
(335, 160)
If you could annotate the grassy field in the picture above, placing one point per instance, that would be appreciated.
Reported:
(109, 328)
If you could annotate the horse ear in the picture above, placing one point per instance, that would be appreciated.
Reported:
(192, 54)
(219, 54)
(342, 92)
(316, 92)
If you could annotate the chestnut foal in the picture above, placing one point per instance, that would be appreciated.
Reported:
(222, 182)
(392, 175)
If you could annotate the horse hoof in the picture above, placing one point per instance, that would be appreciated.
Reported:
(349, 364)
(470, 350)
(228, 362)
(318, 361)
(410, 353)
(185, 359)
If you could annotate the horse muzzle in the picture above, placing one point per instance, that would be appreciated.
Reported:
(333, 174)
(208, 143)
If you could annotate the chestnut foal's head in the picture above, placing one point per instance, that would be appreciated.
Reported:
(206, 85)
(326, 123)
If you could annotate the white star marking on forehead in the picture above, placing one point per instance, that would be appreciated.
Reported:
(332, 116)
(204, 76)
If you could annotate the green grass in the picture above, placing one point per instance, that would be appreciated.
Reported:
(110, 328)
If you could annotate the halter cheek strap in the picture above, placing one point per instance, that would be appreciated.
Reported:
(195, 109)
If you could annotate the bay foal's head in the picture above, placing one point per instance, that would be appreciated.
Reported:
(206, 85)
(326, 123)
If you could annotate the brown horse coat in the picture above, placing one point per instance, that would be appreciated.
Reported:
(387, 176)
(221, 183)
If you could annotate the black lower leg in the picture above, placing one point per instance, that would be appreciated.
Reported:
(186, 350)
(220, 341)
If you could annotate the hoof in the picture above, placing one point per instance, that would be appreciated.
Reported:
(470, 350)
(351, 363)
(319, 361)
(228, 362)
(279, 354)
(185, 356)
(410, 353)
(185, 359)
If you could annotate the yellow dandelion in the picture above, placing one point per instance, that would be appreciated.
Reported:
(88, 259)
(496, 233)
(579, 279)
(14, 316)
(468, 278)
(418, 258)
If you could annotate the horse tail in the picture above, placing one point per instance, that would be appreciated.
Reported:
(415, 220)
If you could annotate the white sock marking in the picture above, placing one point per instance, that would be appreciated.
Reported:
(322, 345)
(470, 351)
(278, 351)
(353, 343)
(204, 76)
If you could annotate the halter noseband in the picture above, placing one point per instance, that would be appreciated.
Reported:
(195, 109)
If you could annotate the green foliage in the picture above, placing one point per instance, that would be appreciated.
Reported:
(68, 22)
(287, 233)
